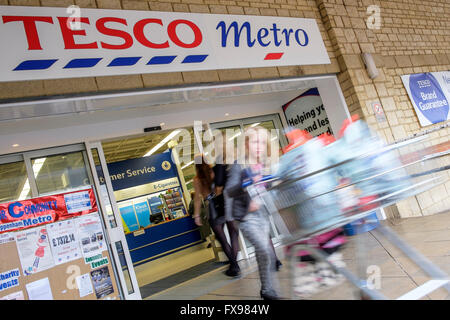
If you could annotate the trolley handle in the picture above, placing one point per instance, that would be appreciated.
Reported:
(368, 154)
(425, 158)
(264, 179)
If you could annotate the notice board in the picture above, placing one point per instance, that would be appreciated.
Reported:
(69, 256)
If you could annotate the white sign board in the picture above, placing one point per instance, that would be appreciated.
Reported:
(90, 235)
(64, 241)
(430, 95)
(306, 112)
(44, 44)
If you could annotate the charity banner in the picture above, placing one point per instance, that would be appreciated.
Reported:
(306, 112)
(63, 238)
(49, 43)
(430, 95)
(30, 213)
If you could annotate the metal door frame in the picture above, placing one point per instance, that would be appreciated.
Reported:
(116, 233)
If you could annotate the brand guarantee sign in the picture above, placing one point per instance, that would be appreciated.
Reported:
(46, 43)
(430, 95)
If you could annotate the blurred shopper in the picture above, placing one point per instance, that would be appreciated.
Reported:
(209, 184)
(205, 228)
(252, 216)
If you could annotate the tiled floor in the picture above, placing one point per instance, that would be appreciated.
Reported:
(430, 235)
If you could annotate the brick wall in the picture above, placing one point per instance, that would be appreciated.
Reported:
(414, 37)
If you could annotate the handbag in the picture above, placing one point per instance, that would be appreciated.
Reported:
(216, 205)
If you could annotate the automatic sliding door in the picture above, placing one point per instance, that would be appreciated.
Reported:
(111, 214)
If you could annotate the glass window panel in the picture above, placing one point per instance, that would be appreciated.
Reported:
(60, 173)
(231, 135)
(124, 266)
(14, 184)
(269, 125)
(103, 190)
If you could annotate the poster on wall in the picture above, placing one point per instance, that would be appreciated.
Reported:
(34, 250)
(129, 216)
(90, 235)
(430, 95)
(143, 213)
(64, 241)
(102, 282)
(84, 285)
(306, 112)
(7, 237)
(14, 296)
(39, 290)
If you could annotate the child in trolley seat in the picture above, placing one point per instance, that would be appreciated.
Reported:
(310, 275)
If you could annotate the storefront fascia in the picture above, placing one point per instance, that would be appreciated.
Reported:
(44, 123)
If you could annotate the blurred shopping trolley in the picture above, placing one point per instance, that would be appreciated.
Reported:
(302, 212)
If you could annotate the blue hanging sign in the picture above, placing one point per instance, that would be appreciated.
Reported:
(430, 95)
(134, 172)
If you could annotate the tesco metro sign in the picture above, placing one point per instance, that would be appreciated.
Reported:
(41, 43)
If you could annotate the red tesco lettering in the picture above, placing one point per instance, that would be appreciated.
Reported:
(30, 27)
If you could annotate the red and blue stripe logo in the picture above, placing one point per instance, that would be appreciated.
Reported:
(77, 63)
(44, 64)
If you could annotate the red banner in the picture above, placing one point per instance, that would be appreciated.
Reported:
(30, 213)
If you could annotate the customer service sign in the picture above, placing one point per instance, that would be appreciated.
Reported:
(430, 95)
(49, 43)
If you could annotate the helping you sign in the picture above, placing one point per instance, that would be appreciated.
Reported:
(42, 44)
(430, 95)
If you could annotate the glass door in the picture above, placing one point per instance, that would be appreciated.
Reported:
(112, 218)
(270, 122)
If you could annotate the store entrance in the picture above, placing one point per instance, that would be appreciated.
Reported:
(151, 178)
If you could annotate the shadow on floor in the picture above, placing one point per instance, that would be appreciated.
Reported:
(180, 277)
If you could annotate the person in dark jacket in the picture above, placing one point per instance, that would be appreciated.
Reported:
(251, 215)
(209, 184)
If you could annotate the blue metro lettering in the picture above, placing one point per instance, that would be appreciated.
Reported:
(275, 35)
(260, 36)
(298, 40)
(300, 35)
(237, 36)
(287, 35)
